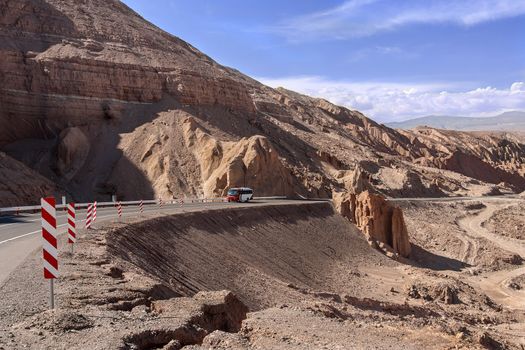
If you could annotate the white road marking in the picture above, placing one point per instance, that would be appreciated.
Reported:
(23, 222)
(17, 237)
(100, 217)
(37, 231)
(5, 225)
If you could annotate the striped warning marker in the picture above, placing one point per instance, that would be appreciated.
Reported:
(141, 207)
(89, 215)
(181, 202)
(94, 216)
(119, 209)
(160, 203)
(71, 224)
(49, 234)
(49, 243)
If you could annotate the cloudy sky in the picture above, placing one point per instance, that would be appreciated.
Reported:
(391, 59)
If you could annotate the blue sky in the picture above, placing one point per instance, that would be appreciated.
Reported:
(391, 59)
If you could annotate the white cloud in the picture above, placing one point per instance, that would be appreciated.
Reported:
(358, 18)
(517, 87)
(392, 52)
(398, 101)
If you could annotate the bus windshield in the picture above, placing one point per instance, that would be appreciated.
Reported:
(233, 192)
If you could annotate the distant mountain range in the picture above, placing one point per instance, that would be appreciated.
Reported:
(508, 121)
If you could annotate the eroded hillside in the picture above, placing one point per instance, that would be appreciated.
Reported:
(91, 92)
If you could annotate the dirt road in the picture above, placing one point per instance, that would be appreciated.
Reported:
(495, 284)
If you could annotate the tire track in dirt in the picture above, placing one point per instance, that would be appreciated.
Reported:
(494, 284)
(470, 245)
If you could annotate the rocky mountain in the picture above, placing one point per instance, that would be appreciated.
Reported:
(508, 121)
(96, 101)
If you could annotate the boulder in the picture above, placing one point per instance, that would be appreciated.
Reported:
(73, 149)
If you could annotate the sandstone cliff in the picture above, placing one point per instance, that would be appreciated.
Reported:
(99, 101)
(380, 222)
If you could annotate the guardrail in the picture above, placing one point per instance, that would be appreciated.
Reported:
(62, 206)
(34, 208)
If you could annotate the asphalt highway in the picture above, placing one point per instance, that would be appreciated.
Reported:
(20, 235)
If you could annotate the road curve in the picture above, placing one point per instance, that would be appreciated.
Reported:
(20, 235)
(494, 284)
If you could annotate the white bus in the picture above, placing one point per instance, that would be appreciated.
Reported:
(239, 194)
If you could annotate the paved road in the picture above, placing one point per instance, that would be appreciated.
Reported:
(20, 235)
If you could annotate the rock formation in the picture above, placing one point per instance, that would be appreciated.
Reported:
(400, 237)
(92, 94)
(378, 220)
(221, 309)
(250, 161)
(182, 159)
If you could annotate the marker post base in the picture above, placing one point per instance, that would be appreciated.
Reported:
(51, 293)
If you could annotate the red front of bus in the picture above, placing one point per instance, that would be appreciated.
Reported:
(233, 195)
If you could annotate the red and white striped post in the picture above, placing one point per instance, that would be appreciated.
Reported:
(160, 203)
(89, 216)
(94, 216)
(119, 210)
(141, 207)
(181, 202)
(50, 244)
(71, 225)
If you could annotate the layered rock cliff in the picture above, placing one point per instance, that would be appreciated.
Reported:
(99, 101)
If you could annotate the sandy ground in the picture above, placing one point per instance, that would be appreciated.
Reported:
(306, 275)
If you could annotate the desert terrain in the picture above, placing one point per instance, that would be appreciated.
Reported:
(261, 277)
(388, 238)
